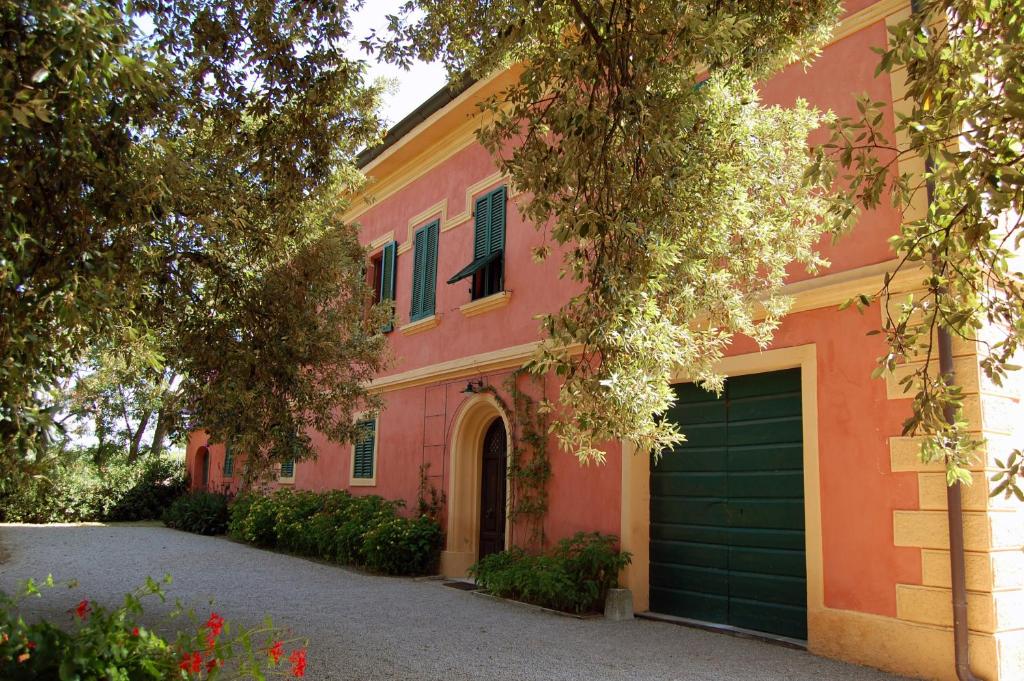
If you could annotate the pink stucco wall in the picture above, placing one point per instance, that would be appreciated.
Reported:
(858, 492)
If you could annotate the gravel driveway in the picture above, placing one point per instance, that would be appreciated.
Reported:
(367, 627)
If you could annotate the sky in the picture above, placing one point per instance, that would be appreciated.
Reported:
(412, 87)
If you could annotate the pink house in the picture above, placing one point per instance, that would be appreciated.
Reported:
(796, 509)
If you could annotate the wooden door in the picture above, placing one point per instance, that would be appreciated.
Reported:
(727, 508)
(492, 489)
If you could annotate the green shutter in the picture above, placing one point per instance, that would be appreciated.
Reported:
(496, 221)
(229, 461)
(424, 272)
(288, 469)
(387, 277)
(418, 257)
(430, 270)
(481, 221)
(362, 464)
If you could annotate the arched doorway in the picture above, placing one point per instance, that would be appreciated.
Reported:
(473, 528)
(493, 482)
(202, 469)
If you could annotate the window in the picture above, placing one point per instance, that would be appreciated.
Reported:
(424, 272)
(382, 273)
(488, 266)
(287, 470)
(364, 453)
(229, 461)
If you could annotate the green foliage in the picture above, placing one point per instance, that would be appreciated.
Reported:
(678, 208)
(175, 195)
(108, 644)
(403, 546)
(529, 466)
(77, 489)
(575, 576)
(198, 512)
(336, 526)
(955, 170)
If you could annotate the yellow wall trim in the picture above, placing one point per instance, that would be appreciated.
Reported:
(826, 291)
(420, 325)
(492, 302)
(452, 129)
(858, 21)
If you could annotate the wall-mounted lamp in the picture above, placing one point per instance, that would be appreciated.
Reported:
(473, 387)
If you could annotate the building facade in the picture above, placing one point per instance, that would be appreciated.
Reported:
(795, 508)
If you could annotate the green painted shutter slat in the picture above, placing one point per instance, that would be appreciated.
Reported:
(362, 466)
(424, 275)
(387, 276)
(481, 222)
(418, 262)
(430, 270)
(229, 461)
(288, 469)
(496, 221)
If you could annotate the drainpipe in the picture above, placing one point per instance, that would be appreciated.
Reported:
(955, 517)
(954, 496)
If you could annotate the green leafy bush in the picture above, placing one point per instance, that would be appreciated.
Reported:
(575, 576)
(198, 512)
(111, 644)
(78, 489)
(161, 482)
(403, 546)
(339, 527)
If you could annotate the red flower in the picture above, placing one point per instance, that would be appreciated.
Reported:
(31, 645)
(212, 664)
(276, 651)
(82, 609)
(215, 624)
(135, 632)
(191, 662)
(298, 660)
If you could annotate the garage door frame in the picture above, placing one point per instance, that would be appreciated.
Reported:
(635, 512)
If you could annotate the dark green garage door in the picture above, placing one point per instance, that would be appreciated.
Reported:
(727, 508)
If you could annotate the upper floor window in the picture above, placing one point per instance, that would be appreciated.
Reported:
(488, 266)
(424, 272)
(382, 276)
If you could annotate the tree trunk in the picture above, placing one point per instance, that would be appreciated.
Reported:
(133, 447)
(160, 432)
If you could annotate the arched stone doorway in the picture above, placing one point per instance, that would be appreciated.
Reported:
(201, 474)
(479, 418)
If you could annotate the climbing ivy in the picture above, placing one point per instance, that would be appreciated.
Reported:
(529, 466)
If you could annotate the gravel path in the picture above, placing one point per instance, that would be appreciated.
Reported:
(366, 627)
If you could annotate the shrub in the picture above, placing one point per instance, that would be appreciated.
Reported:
(199, 512)
(292, 528)
(259, 525)
(76, 489)
(403, 546)
(161, 482)
(111, 644)
(575, 576)
(358, 518)
(339, 527)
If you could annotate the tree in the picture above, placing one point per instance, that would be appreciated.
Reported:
(127, 399)
(158, 160)
(962, 136)
(636, 135)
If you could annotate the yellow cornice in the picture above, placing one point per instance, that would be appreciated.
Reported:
(451, 129)
(826, 291)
